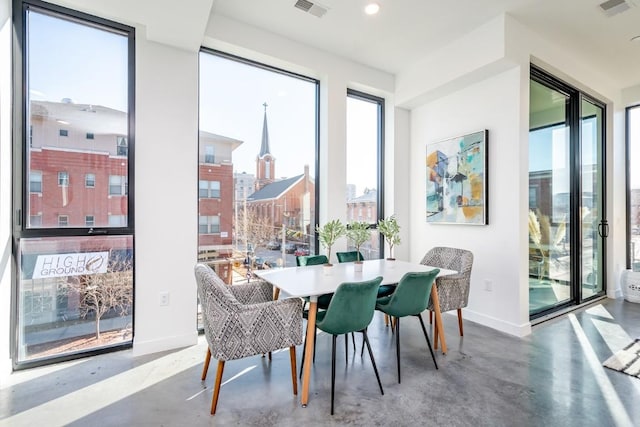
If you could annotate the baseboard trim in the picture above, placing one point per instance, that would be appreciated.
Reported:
(141, 348)
(497, 324)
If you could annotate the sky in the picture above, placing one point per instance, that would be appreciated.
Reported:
(64, 63)
(232, 95)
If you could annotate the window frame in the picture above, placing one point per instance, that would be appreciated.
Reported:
(627, 129)
(380, 102)
(22, 137)
(316, 82)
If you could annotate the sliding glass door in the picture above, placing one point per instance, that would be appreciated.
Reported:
(567, 226)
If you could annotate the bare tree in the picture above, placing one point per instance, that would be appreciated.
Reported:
(254, 230)
(101, 293)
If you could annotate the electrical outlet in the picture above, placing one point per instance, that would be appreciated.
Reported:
(488, 285)
(164, 298)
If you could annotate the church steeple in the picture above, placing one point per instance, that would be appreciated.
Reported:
(264, 147)
(265, 162)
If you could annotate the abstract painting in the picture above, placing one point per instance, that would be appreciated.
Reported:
(457, 180)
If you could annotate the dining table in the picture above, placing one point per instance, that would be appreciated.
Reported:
(313, 281)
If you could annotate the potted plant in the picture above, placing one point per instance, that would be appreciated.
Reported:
(359, 233)
(329, 233)
(390, 229)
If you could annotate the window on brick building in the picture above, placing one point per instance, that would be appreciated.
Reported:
(35, 182)
(90, 180)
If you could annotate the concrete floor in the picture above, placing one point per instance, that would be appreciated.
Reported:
(552, 378)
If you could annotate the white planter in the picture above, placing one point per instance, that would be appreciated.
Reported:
(391, 262)
(357, 267)
(631, 285)
(327, 269)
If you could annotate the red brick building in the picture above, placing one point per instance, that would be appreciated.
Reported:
(77, 166)
(216, 194)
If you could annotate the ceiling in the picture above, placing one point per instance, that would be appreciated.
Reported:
(405, 31)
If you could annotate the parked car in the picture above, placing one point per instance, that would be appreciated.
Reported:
(273, 245)
(301, 250)
(289, 248)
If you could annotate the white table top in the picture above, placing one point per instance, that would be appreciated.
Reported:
(312, 280)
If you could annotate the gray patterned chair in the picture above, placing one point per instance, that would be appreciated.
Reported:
(453, 290)
(243, 320)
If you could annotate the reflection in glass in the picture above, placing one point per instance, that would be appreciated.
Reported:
(590, 215)
(75, 294)
(549, 199)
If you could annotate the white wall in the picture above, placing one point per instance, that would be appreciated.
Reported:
(491, 104)
(166, 215)
(494, 94)
(5, 186)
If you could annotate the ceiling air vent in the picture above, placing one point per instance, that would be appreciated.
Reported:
(315, 9)
(613, 7)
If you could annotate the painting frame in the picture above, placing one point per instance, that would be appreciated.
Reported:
(457, 180)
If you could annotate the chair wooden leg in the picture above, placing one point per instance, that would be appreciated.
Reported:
(436, 335)
(207, 359)
(294, 379)
(216, 388)
(460, 322)
(386, 320)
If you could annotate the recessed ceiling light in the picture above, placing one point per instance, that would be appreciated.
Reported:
(372, 8)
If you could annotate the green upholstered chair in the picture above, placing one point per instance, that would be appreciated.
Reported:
(351, 310)
(303, 260)
(410, 299)
(323, 300)
(383, 291)
(350, 256)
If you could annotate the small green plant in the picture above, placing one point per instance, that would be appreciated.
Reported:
(390, 229)
(359, 233)
(329, 233)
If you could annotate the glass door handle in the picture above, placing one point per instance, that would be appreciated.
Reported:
(603, 228)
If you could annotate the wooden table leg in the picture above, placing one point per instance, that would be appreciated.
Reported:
(439, 330)
(308, 356)
(276, 294)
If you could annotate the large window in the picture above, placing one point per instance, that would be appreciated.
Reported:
(257, 165)
(633, 177)
(75, 243)
(257, 124)
(365, 142)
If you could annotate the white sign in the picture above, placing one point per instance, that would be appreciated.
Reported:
(61, 265)
(224, 234)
